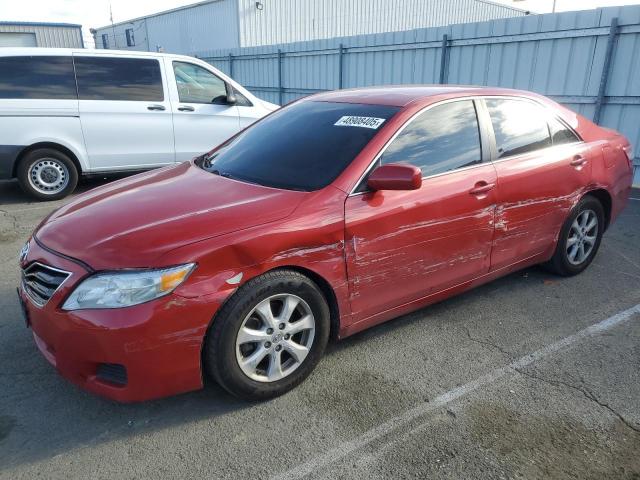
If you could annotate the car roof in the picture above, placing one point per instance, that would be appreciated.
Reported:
(39, 51)
(403, 95)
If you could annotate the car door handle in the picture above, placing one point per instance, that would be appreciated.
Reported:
(481, 188)
(578, 161)
(156, 107)
(186, 108)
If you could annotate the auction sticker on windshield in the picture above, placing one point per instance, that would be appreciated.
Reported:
(355, 121)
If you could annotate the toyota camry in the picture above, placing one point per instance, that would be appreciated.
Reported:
(336, 213)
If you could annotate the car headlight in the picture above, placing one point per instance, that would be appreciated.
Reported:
(126, 288)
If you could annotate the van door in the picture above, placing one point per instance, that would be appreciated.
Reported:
(124, 111)
(202, 118)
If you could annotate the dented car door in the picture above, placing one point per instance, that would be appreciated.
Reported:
(405, 245)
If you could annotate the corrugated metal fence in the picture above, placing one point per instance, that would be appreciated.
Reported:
(588, 60)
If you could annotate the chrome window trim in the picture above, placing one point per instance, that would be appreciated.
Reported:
(471, 97)
(26, 291)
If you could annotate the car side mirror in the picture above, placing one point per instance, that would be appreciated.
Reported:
(395, 176)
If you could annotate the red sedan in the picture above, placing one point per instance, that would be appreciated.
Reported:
(333, 214)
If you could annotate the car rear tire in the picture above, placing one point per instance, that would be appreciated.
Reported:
(47, 174)
(579, 238)
(269, 336)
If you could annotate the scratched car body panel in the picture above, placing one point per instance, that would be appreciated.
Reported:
(374, 254)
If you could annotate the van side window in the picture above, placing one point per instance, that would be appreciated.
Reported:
(40, 77)
(113, 78)
(560, 134)
(443, 138)
(520, 126)
(198, 85)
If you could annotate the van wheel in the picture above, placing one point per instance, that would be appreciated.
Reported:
(47, 174)
(579, 238)
(268, 336)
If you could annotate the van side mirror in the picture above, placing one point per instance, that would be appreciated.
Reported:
(395, 176)
(231, 96)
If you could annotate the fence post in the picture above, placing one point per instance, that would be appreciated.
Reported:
(280, 88)
(340, 66)
(613, 33)
(443, 59)
(231, 65)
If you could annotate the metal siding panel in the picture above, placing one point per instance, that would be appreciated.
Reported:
(184, 31)
(53, 36)
(286, 21)
(567, 66)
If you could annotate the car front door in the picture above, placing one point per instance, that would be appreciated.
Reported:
(202, 118)
(405, 245)
(124, 112)
(542, 169)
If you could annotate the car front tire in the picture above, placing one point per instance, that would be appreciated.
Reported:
(269, 336)
(47, 174)
(579, 238)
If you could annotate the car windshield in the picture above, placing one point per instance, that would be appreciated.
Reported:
(302, 147)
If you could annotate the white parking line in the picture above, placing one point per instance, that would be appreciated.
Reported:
(348, 447)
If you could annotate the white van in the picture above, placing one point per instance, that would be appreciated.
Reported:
(66, 113)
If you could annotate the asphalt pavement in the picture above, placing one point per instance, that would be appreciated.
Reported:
(530, 376)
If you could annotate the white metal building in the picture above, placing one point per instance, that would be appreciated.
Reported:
(38, 34)
(216, 24)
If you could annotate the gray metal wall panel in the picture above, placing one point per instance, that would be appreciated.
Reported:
(559, 55)
(49, 36)
(284, 21)
(183, 31)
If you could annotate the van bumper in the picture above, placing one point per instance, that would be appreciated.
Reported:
(8, 156)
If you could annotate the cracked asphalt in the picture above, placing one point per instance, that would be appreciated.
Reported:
(441, 393)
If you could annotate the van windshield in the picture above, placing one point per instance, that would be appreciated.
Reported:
(304, 146)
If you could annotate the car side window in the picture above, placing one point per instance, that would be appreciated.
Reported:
(198, 85)
(39, 77)
(519, 126)
(560, 134)
(443, 138)
(115, 78)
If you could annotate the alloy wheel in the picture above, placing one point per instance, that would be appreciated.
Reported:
(275, 338)
(582, 237)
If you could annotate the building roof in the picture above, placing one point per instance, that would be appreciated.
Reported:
(41, 24)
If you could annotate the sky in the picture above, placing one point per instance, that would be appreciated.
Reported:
(95, 13)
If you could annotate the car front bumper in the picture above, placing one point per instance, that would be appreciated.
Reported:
(157, 344)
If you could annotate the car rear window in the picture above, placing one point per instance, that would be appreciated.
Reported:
(304, 146)
(37, 77)
(520, 126)
(109, 78)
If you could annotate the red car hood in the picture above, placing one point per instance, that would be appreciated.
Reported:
(132, 222)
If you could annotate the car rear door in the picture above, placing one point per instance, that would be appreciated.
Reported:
(202, 118)
(124, 111)
(405, 245)
(542, 169)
